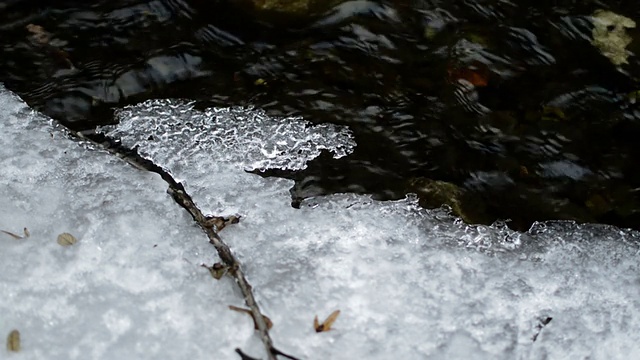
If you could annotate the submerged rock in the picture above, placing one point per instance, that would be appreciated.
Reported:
(435, 193)
(287, 9)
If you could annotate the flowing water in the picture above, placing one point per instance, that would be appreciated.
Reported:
(504, 110)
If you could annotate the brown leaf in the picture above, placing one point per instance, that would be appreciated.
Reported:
(215, 222)
(218, 222)
(217, 270)
(13, 341)
(14, 235)
(66, 239)
(39, 34)
(267, 321)
(42, 38)
(477, 74)
(326, 325)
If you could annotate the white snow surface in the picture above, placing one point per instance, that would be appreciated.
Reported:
(410, 283)
(131, 287)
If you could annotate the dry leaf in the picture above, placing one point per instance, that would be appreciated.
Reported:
(267, 321)
(12, 234)
(326, 325)
(15, 236)
(66, 239)
(217, 270)
(13, 341)
(218, 222)
(477, 76)
(40, 37)
(39, 34)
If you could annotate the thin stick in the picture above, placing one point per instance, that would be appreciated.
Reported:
(182, 198)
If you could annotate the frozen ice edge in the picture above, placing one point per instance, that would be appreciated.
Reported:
(410, 283)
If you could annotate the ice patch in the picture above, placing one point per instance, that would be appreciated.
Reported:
(212, 148)
(243, 137)
(410, 283)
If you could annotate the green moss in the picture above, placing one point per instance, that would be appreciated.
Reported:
(610, 35)
(435, 193)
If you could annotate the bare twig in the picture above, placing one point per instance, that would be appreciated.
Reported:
(224, 252)
(182, 198)
(280, 353)
(266, 319)
(244, 356)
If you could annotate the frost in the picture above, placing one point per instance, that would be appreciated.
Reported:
(245, 137)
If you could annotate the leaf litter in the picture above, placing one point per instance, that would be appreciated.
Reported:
(25, 235)
(326, 325)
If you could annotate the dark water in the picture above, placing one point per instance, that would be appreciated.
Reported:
(505, 107)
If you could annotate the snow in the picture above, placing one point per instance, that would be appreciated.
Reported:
(132, 286)
(409, 282)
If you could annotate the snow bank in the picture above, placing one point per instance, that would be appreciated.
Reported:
(410, 283)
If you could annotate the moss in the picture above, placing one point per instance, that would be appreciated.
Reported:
(435, 193)
(610, 35)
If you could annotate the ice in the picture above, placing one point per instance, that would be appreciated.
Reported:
(240, 133)
(410, 283)
(132, 287)
(234, 138)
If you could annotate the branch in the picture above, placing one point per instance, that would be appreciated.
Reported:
(182, 198)
(176, 190)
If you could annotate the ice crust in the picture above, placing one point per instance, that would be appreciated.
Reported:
(235, 138)
(410, 283)
(132, 287)
(244, 137)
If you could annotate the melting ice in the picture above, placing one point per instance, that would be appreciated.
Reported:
(230, 140)
(410, 283)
